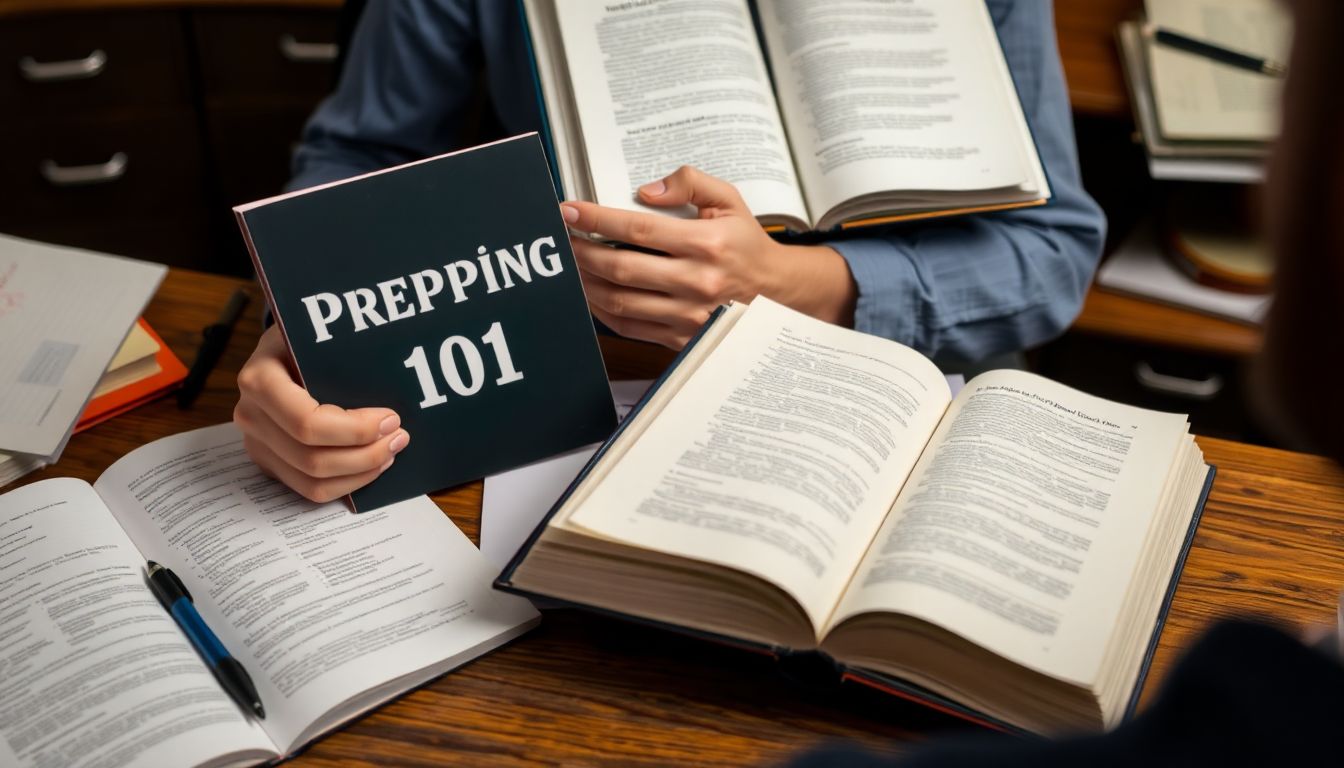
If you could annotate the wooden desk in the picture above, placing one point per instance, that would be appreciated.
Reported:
(586, 690)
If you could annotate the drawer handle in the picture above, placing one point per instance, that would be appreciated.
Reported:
(1191, 389)
(307, 53)
(78, 175)
(58, 71)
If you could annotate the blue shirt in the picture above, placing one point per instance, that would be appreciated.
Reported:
(959, 289)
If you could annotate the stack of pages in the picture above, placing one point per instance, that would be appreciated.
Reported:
(1200, 119)
(66, 314)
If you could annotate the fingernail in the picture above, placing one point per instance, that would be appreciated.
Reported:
(654, 188)
(388, 425)
(398, 442)
(570, 213)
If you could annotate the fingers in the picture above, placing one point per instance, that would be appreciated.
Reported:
(691, 185)
(318, 462)
(655, 231)
(643, 329)
(632, 268)
(317, 489)
(632, 303)
(321, 451)
(265, 381)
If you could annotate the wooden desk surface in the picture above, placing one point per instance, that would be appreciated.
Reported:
(584, 690)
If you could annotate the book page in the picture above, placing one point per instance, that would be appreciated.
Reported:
(778, 456)
(879, 96)
(1198, 98)
(320, 605)
(93, 671)
(1024, 521)
(663, 83)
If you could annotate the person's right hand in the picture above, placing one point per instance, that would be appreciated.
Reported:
(322, 451)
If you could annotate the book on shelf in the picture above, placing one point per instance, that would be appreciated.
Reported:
(1006, 555)
(1199, 119)
(143, 369)
(823, 115)
(446, 290)
(330, 613)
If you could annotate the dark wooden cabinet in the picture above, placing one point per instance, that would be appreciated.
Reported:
(134, 129)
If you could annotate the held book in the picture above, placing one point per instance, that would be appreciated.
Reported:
(824, 115)
(329, 612)
(790, 485)
(446, 290)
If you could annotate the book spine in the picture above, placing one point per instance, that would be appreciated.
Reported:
(503, 582)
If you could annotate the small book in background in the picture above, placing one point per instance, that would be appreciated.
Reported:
(1007, 554)
(1200, 99)
(446, 290)
(329, 613)
(824, 115)
(1202, 119)
(142, 370)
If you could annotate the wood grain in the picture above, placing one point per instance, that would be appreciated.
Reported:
(1085, 30)
(583, 690)
(1133, 319)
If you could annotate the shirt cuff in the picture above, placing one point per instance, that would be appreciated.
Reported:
(889, 289)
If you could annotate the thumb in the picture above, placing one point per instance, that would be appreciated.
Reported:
(693, 186)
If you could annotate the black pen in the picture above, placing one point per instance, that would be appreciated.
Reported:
(174, 595)
(1215, 52)
(215, 337)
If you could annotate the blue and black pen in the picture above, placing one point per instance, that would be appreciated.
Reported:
(174, 595)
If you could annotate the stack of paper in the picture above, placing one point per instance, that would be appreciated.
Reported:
(1140, 267)
(64, 314)
(1201, 119)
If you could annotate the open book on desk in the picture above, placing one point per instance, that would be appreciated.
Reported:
(877, 112)
(799, 487)
(330, 613)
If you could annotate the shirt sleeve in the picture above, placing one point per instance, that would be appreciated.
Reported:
(402, 95)
(968, 288)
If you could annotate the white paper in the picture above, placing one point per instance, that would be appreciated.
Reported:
(513, 502)
(1139, 267)
(63, 314)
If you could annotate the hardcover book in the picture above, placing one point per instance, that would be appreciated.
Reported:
(444, 289)
(1007, 555)
(824, 115)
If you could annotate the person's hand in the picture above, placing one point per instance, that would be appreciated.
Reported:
(723, 256)
(321, 451)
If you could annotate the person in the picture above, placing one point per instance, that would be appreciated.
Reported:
(963, 289)
(1246, 693)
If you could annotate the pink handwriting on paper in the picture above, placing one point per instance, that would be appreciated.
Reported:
(10, 300)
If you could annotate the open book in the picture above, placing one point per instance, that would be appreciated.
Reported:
(791, 484)
(330, 613)
(874, 113)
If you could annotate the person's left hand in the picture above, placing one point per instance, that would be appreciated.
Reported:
(723, 256)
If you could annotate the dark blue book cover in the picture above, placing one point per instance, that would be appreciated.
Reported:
(446, 290)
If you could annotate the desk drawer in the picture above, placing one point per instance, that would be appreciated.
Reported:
(257, 56)
(74, 66)
(1211, 389)
(73, 171)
